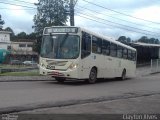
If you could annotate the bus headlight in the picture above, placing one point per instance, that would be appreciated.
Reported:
(73, 66)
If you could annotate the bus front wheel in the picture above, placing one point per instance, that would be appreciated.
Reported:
(60, 80)
(92, 76)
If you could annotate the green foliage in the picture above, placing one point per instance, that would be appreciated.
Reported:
(28, 73)
(37, 44)
(12, 32)
(124, 39)
(22, 35)
(50, 13)
(145, 39)
(1, 22)
(31, 36)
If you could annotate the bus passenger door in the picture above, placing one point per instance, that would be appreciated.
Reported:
(85, 68)
(85, 55)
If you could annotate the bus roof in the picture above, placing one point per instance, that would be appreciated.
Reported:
(98, 35)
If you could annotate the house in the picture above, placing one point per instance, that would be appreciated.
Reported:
(23, 50)
(5, 40)
(4, 45)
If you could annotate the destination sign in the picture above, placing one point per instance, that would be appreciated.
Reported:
(60, 30)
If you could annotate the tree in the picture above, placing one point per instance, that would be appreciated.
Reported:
(22, 35)
(144, 39)
(1, 22)
(37, 44)
(157, 41)
(124, 39)
(31, 36)
(128, 40)
(152, 40)
(12, 32)
(50, 13)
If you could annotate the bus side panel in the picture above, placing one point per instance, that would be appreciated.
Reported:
(85, 67)
(98, 62)
(130, 67)
(119, 67)
(109, 67)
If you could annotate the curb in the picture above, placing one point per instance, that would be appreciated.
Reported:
(25, 78)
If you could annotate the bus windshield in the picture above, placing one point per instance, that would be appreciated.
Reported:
(60, 46)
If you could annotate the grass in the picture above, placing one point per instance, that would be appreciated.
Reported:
(13, 66)
(26, 73)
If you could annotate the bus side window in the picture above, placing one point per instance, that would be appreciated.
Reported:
(85, 45)
(133, 55)
(113, 50)
(125, 53)
(106, 47)
(119, 51)
(96, 45)
(129, 54)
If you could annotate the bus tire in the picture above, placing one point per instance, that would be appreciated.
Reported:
(123, 77)
(92, 76)
(60, 80)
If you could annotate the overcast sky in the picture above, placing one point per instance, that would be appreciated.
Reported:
(103, 21)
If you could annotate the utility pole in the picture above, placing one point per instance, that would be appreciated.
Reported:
(71, 12)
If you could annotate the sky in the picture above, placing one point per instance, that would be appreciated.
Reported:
(114, 18)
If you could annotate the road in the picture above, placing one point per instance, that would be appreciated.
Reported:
(149, 104)
(20, 96)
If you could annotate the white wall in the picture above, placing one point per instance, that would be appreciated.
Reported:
(3, 46)
(4, 40)
(4, 37)
(15, 47)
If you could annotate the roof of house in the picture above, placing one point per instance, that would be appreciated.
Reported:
(146, 44)
(6, 32)
(21, 42)
(23, 53)
(24, 40)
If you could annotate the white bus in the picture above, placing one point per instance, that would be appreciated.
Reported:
(74, 52)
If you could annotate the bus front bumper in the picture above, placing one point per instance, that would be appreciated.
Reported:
(59, 73)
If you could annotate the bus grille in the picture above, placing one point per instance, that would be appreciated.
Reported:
(56, 63)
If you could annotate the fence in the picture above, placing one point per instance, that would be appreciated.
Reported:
(155, 65)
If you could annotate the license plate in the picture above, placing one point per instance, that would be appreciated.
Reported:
(55, 73)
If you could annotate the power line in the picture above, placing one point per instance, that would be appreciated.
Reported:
(16, 5)
(117, 26)
(16, 9)
(116, 17)
(23, 1)
(120, 12)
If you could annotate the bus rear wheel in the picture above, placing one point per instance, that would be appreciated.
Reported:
(92, 76)
(123, 77)
(60, 80)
